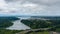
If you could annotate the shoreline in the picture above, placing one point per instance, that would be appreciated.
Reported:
(18, 25)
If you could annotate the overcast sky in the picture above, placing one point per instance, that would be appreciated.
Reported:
(30, 7)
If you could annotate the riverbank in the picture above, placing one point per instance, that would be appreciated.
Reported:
(7, 21)
(17, 25)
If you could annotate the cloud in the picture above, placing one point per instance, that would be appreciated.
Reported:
(30, 7)
(26, 8)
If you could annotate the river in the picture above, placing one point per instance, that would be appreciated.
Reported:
(17, 25)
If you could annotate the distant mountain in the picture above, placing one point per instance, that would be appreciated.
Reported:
(47, 17)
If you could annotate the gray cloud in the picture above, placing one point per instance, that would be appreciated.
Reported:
(42, 7)
(41, 2)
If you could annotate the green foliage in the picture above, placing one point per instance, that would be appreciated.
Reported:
(5, 24)
(6, 21)
(4, 31)
(36, 23)
(43, 32)
(54, 24)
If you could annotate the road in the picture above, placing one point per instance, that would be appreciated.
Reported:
(26, 31)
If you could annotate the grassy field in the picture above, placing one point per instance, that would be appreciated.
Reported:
(45, 32)
(4, 31)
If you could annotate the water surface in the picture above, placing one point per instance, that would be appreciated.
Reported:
(17, 25)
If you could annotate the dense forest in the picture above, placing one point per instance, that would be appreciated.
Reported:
(6, 21)
(54, 23)
(37, 23)
(47, 17)
(6, 31)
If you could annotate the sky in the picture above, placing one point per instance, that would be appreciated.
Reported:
(30, 7)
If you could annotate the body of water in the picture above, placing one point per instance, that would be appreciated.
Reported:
(17, 25)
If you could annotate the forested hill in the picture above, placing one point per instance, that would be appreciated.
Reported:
(8, 18)
(6, 21)
(47, 17)
(34, 23)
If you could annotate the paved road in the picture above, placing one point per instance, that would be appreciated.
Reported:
(26, 31)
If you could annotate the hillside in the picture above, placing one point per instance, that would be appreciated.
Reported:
(6, 21)
(35, 23)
